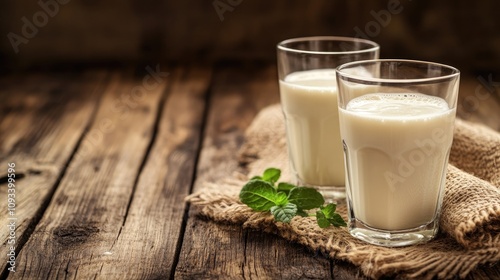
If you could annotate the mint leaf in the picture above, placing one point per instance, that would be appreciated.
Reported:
(322, 221)
(281, 199)
(258, 195)
(306, 198)
(271, 175)
(284, 213)
(328, 210)
(286, 201)
(337, 220)
(333, 218)
(285, 187)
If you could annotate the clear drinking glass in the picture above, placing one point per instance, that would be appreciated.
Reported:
(308, 89)
(396, 123)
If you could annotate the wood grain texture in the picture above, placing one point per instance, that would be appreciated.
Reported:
(42, 118)
(106, 168)
(87, 212)
(211, 250)
(152, 229)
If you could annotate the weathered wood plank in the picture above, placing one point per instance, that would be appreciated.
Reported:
(77, 231)
(211, 250)
(43, 117)
(153, 225)
(271, 257)
(346, 270)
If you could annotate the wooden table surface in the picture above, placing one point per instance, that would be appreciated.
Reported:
(105, 157)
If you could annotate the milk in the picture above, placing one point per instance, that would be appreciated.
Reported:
(309, 102)
(397, 148)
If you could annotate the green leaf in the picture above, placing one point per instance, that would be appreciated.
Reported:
(286, 201)
(337, 220)
(285, 187)
(284, 213)
(258, 195)
(281, 199)
(306, 198)
(328, 210)
(271, 175)
(302, 213)
(322, 220)
(333, 218)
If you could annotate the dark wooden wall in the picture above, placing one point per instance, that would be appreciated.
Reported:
(462, 33)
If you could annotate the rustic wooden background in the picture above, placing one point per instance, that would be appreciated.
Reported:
(463, 33)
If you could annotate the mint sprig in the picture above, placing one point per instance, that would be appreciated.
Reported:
(286, 200)
(326, 216)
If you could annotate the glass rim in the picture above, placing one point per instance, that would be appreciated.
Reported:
(359, 78)
(281, 45)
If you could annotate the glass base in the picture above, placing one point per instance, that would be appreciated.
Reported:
(393, 238)
(333, 194)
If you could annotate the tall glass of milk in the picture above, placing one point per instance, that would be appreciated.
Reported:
(397, 136)
(308, 89)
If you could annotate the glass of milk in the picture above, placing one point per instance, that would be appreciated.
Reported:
(397, 136)
(308, 89)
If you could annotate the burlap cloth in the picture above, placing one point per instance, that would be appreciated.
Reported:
(469, 226)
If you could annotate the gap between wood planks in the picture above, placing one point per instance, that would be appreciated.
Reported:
(154, 135)
(68, 231)
(185, 216)
(101, 85)
(163, 184)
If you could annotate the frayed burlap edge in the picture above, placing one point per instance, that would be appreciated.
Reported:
(442, 257)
